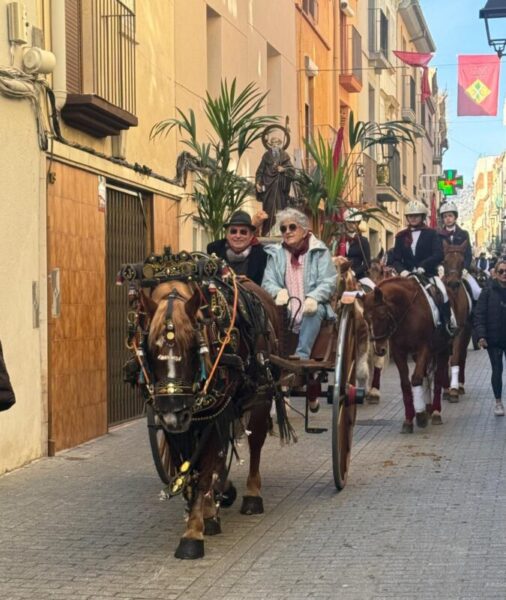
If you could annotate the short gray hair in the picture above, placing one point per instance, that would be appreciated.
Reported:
(291, 214)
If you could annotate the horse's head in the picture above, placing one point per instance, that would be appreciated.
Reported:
(345, 279)
(175, 341)
(376, 271)
(380, 320)
(453, 263)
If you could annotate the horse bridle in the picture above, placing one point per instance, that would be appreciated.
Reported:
(393, 321)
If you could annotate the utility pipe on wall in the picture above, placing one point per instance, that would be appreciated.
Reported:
(58, 43)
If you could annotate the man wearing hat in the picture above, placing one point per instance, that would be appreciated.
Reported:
(240, 248)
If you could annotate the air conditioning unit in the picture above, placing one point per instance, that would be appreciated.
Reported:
(346, 8)
(310, 67)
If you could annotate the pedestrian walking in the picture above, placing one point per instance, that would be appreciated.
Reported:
(490, 329)
(7, 398)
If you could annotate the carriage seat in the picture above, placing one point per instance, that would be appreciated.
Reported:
(323, 347)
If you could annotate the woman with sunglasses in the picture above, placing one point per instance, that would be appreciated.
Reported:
(240, 247)
(300, 273)
(490, 328)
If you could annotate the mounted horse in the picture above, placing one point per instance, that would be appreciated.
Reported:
(202, 342)
(398, 311)
(460, 299)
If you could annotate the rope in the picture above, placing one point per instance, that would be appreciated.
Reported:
(227, 338)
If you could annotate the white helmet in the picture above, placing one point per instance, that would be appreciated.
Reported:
(352, 216)
(449, 207)
(416, 207)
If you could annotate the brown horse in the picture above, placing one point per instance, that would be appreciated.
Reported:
(206, 372)
(461, 303)
(346, 282)
(397, 311)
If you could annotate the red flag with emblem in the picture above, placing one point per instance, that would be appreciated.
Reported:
(478, 85)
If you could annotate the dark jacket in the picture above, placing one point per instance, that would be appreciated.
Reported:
(429, 251)
(490, 315)
(256, 261)
(456, 238)
(7, 398)
(359, 254)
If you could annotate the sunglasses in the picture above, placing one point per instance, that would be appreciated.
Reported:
(235, 231)
(285, 228)
(501, 271)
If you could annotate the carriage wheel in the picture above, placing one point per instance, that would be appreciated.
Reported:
(344, 409)
(159, 448)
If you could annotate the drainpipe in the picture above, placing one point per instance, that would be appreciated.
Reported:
(336, 63)
(59, 49)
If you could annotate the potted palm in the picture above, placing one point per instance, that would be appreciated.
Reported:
(236, 124)
(327, 187)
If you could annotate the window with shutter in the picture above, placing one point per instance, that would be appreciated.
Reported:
(100, 42)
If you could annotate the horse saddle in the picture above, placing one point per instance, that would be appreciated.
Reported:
(432, 290)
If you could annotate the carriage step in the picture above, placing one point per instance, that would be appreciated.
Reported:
(301, 365)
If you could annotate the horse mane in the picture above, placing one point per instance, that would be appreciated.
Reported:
(184, 328)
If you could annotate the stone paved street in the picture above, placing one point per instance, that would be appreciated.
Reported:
(422, 517)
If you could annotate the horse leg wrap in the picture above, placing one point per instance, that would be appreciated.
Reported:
(455, 377)
(376, 378)
(418, 398)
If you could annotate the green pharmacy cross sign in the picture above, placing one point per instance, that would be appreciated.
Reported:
(449, 182)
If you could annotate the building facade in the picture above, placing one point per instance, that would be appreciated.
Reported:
(102, 193)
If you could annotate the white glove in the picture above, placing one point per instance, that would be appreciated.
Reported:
(405, 273)
(310, 306)
(419, 271)
(465, 272)
(282, 297)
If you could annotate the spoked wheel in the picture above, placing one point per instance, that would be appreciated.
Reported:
(344, 408)
(160, 448)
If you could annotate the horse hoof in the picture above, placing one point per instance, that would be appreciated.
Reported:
(373, 397)
(454, 396)
(252, 505)
(407, 427)
(436, 419)
(422, 419)
(212, 526)
(189, 549)
(462, 390)
(314, 405)
(228, 496)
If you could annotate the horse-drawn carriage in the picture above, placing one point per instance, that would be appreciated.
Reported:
(211, 352)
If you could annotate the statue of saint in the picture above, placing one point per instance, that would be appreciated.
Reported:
(274, 174)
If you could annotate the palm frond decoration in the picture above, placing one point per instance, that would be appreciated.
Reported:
(327, 185)
(236, 121)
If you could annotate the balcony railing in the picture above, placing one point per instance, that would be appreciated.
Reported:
(102, 99)
(351, 60)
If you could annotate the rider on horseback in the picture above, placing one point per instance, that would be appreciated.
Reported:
(418, 250)
(455, 236)
(357, 249)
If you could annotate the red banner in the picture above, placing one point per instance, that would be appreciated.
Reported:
(418, 59)
(478, 85)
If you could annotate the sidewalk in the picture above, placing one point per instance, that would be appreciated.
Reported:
(422, 516)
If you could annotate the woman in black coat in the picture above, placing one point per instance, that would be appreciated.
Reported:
(490, 328)
(7, 398)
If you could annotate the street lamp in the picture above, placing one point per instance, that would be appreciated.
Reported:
(388, 143)
(493, 10)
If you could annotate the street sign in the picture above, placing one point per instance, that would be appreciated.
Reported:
(449, 182)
